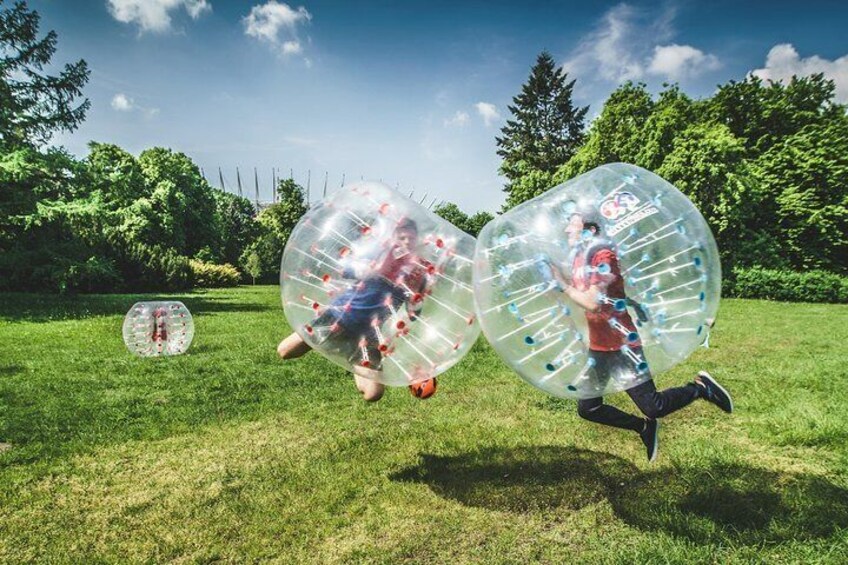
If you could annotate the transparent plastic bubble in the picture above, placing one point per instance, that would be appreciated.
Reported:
(380, 285)
(152, 329)
(619, 235)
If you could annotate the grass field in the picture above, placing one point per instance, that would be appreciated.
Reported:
(227, 454)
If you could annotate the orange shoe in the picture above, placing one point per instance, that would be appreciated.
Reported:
(424, 389)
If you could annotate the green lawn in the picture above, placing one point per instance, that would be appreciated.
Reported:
(228, 454)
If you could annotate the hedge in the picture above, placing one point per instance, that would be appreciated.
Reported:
(789, 286)
(210, 275)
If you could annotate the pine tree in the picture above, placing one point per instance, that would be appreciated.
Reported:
(546, 128)
(34, 105)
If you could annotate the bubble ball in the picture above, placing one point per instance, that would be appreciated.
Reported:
(599, 282)
(152, 329)
(380, 285)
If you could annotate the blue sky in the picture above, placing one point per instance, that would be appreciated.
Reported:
(412, 93)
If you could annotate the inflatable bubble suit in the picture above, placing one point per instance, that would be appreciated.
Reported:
(633, 246)
(158, 328)
(380, 285)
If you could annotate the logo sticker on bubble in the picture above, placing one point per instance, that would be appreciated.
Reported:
(619, 205)
(624, 210)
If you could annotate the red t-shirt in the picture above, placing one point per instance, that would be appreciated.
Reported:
(602, 336)
(408, 272)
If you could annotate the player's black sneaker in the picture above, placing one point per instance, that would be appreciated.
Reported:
(713, 392)
(651, 439)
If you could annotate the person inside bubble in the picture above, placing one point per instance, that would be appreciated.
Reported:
(594, 283)
(350, 325)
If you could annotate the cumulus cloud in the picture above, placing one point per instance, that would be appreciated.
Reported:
(488, 111)
(629, 43)
(615, 48)
(122, 103)
(276, 24)
(783, 62)
(681, 61)
(154, 15)
(460, 119)
(292, 48)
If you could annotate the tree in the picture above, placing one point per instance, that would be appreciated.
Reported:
(805, 177)
(469, 224)
(178, 210)
(34, 105)
(670, 115)
(115, 174)
(546, 128)
(707, 165)
(453, 214)
(51, 227)
(235, 224)
(530, 185)
(762, 114)
(276, 223)
(616, 135)
(253, 265)
(38, 244)
(478, 221)
(289, 209)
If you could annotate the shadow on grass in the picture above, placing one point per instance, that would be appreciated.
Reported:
(735, 502)
(708, 504)
(10, 370)
(526, 479)
(49, 308)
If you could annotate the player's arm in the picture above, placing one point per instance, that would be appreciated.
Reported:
(599, 281)
(415, 301)
(586, 299)
(556, 272)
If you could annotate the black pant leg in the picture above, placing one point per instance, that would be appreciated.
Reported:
(654, 404)
(594, 410)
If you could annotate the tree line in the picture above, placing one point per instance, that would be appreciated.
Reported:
(767, 165)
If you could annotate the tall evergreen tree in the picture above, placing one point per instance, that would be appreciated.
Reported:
(34, 105)
(546, 128)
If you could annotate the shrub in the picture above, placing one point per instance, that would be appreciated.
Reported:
(210, 275)
(147, 268)
(790, 286)
(57, 270)
(95, 274)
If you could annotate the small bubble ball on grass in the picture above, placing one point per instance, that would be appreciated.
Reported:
(153, 329)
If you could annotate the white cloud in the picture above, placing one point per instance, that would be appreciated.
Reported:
(681, 61)
(122, 103)
(154, 15)
(489, 112)
(460, 119)
(615, 48)
(292, 48)
(300, 141)
(783, 62)
(277, 24)
(628, 44)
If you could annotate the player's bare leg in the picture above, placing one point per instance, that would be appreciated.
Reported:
(292, 347)
(371, 390)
